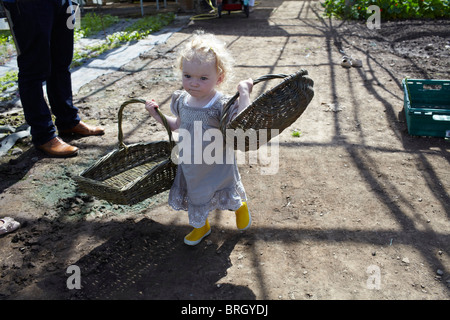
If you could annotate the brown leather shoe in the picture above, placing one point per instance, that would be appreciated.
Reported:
(58, 148)
(84, 130)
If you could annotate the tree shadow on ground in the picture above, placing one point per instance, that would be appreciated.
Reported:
(142, 260)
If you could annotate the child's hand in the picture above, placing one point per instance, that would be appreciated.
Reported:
(151, 107)
(245, 86)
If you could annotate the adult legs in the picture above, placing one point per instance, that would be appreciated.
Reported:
(45, 46)
(59, 83)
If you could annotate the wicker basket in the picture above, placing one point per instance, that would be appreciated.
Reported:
(133, 173)
(276, 108)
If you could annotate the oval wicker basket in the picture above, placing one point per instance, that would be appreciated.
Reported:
(133, 173)
(276, 108)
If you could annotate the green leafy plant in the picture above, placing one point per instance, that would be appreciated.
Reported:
(5, 37)
(8, 80)
(92, 23)
(138, 30)
(7, 47)
(389, 9)
(296, 133)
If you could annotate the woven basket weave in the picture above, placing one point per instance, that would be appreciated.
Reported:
(133, 173)
(276, 108)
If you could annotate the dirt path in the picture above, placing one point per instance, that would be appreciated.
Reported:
(354, 200)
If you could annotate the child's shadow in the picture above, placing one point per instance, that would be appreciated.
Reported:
(148, 260)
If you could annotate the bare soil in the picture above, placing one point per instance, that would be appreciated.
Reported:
(354, 198)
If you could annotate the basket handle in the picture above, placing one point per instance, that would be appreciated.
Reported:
(234, 98)
(163, 118)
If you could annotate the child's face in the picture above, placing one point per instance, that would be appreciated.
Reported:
(200, 79)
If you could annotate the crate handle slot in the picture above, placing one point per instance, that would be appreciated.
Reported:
(441, 117)
(435, 87)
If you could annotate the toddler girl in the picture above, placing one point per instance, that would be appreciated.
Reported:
(201, 186)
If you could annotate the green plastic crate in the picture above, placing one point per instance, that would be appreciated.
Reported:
(427, 107)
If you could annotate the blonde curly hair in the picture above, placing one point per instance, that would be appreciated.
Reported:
(206, 48)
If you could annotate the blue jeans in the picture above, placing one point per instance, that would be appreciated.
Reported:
(45, 44)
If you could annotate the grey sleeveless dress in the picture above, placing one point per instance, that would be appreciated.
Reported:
(207, 176)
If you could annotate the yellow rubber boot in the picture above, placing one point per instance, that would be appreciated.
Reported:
(243, 217)
(196, 235)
